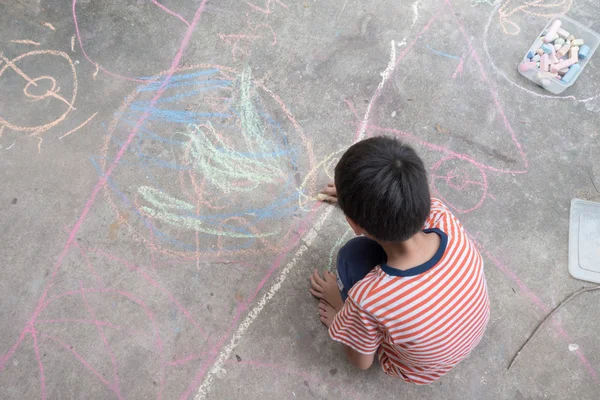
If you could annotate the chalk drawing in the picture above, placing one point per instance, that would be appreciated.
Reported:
(266, 9)
(199, 154)
(443, 54)
(384, 77)
(538, 8)
(30, 327)
(79, 126)
(48, 25)
(38, 90)
(242, 43)
(97, 64)
(225, 352)
(25, 41)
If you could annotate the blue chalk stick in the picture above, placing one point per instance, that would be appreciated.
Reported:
(547, 48)
(584, 51)
(531, 54)
(573, 70)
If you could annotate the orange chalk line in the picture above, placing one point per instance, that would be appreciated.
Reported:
(80, 126)
(48, 25)
(25, 41)
(36, 130)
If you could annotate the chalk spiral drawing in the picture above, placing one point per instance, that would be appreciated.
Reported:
(223, 145)
(38, 90)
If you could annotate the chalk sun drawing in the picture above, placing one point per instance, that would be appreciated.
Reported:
(208, 147)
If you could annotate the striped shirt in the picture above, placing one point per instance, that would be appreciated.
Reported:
(425, 320)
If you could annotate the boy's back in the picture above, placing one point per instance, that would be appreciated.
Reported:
(423, 320)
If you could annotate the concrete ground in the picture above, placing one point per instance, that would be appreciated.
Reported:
(159, 162)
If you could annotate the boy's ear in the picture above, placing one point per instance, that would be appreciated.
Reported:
(355, 227)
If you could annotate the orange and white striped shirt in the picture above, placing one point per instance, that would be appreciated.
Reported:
(423, 320)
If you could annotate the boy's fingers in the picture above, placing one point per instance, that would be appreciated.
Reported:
(318, 278)
(329, 275)
(315, 285)
(318, 295)
(329, 191)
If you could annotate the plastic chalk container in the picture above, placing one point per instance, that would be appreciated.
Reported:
(584, 240)
(591, 39)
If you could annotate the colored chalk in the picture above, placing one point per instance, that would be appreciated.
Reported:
(584, 51)
(575, 68)
(574, 54)
(537, 44)
(546, 75)
(563, 50)
(553, 58)
(527, 66)
(545, 63)
(552, 35)
(556, 54)
(577, 42)
(563, 33)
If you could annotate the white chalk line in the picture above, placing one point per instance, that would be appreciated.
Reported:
(225, 353)
(415, 8)
(385, 75)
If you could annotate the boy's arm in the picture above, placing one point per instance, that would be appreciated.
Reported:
(359, 332)
(360, 361)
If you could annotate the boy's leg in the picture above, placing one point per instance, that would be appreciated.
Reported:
(355, 260)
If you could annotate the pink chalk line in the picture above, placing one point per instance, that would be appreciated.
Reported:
(29, 328)
(165, 9)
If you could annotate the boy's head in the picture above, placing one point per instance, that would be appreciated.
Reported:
(382, 187)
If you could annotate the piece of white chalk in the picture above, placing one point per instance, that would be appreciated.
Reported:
(322, 197)
(577, 42)
(551, 36)
(545, 63)
(563, 33)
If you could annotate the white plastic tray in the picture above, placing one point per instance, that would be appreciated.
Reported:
(584, 240)
(591, 39)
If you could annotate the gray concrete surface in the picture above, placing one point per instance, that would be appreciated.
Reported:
(162, 249)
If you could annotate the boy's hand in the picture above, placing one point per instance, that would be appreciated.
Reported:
(326, 289)
(329, 193)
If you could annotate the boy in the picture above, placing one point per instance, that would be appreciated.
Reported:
(412, 287)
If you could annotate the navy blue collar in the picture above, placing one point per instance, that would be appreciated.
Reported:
(419, 269)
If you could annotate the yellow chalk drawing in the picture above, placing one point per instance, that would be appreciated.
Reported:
(168, 209)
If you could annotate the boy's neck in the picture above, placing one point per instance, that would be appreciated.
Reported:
(412, 252)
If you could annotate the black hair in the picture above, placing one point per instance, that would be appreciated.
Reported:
(382, 186)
